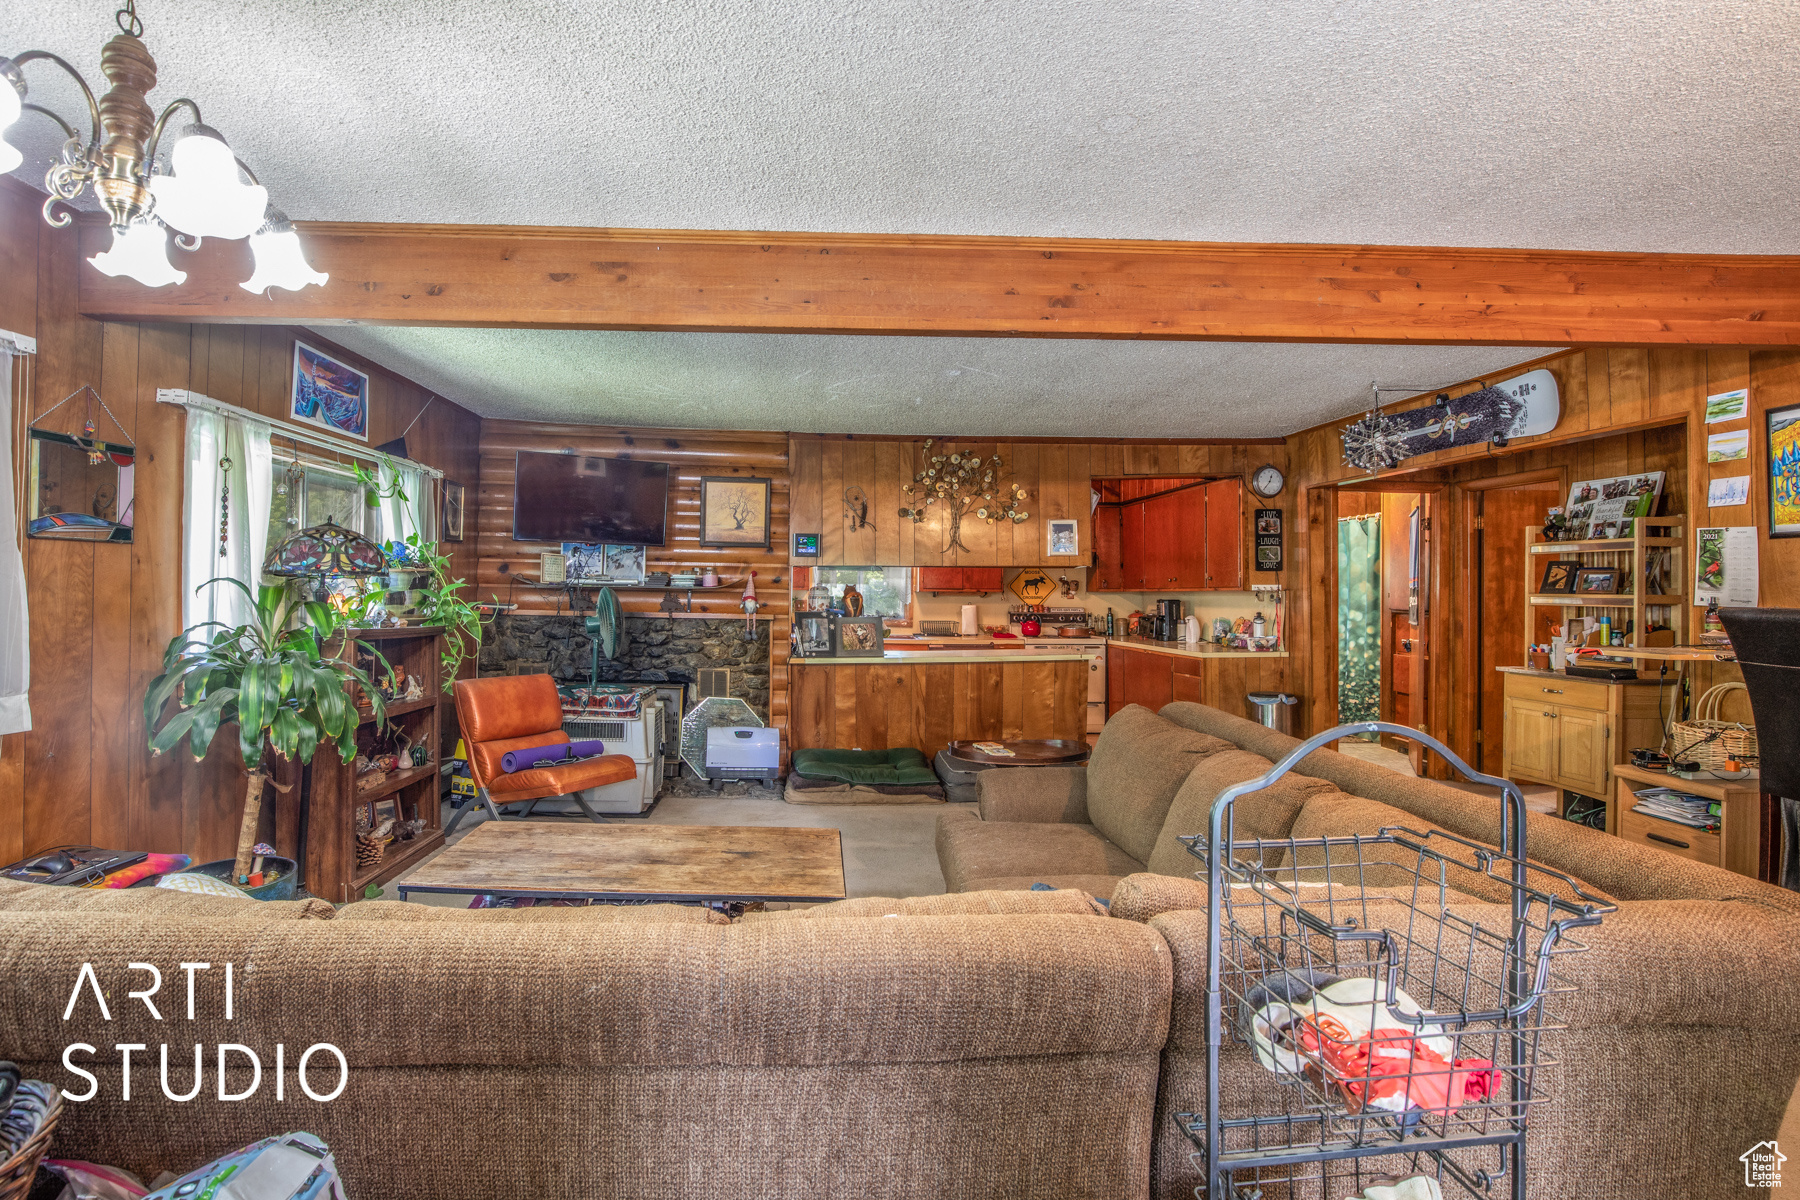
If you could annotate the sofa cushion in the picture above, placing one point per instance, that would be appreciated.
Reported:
(1096, 886)
(159, 902)
(969, 849)
(539, 914)
(1019, 901)
(1268, 813)
(1390, 866)
(1138, 764)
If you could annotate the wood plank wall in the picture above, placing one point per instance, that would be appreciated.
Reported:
(1058, 476)
(1628, 410)
(691, 453)
(102, 614)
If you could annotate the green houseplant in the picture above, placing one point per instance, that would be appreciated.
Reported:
(279, 686)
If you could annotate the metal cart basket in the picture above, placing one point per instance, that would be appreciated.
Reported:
(1377, 1005)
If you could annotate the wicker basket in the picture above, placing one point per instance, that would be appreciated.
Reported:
(26, 1125)
(1709, 741)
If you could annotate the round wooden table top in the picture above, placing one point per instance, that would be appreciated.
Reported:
(1026, 752)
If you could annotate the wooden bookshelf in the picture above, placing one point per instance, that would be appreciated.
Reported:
(1631, 558)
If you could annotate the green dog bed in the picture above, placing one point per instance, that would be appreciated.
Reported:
(862, 777)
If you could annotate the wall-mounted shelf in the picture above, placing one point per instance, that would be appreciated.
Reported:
(1597, 544)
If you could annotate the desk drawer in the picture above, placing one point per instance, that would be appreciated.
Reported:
(1577, 693)
(1682, 840)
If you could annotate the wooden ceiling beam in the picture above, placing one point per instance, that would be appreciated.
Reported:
(980, 286)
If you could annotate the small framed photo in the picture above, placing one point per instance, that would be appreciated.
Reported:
(1062, 538)
(1596, 581)
(453, 512)
(1559, 577)
(385, 810)
(813, 635)
(859, 637)
(583, 562)
(734, 511)
(623, 564)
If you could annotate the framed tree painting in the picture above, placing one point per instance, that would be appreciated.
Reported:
(1784, 471)
(734, 511)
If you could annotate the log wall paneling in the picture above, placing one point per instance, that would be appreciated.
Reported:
(103, 614)
(691, 455)
(955, 285)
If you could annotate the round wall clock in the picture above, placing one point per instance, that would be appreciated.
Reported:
(1267, 481)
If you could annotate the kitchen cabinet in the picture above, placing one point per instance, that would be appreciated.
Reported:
(1737, 845)
(1187, 540)
(1224, 523)
(982, 580)
(1572, 733)
(1143, 677)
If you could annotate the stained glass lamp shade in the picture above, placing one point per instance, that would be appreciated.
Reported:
(324, 550)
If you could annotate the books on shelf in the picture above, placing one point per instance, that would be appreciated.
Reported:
(1684, 808)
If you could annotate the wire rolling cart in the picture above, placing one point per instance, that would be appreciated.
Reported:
(1369, 1015)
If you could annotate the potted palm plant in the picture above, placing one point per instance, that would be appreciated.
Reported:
(273, 679)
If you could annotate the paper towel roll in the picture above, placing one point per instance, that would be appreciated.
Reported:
(970, 624)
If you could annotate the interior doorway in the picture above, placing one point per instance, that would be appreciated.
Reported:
(1501, 511)
(1385, 593)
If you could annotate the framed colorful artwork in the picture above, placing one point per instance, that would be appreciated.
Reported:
(328, 393)
(734, 511)
(1784, 471)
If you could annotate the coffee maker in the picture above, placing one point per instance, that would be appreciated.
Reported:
(1168, 620)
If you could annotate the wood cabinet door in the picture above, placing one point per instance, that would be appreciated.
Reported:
(1149, 680)
(1109, 569)
(1582, 749)
(1131, 544)
(940, 579)
(982, 579)
(1530, 740)
(1162, 531)
(1185, 685)
(1225, 534)
(1190, 540)
(1115, 679)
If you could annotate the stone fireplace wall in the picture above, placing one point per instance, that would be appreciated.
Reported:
(655, 648)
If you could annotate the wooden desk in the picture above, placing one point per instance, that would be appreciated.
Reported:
(561, 861)
(1737, 846)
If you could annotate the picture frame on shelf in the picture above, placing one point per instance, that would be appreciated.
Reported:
(1559, 577)
(734, 511)
(1783, 433)
(622, 564)
(812, 635)
(1596, 581)
(859, 637)
(583, 562)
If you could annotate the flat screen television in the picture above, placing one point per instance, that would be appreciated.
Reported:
(583, 498)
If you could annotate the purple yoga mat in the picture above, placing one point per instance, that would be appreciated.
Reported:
(548, 756)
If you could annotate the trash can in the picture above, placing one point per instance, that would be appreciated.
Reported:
(1274, 709)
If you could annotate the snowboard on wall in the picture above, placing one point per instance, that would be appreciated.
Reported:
(1521, 407)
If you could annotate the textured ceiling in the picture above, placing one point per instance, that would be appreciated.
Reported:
(1020, 387)
(1643, 125)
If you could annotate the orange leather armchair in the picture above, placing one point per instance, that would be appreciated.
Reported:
(523, 712)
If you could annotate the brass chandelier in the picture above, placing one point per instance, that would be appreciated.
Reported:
(199, 195)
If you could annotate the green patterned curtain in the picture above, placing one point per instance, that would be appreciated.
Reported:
(1359, 618)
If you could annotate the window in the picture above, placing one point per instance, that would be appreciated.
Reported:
(301, 499)
(886, 591)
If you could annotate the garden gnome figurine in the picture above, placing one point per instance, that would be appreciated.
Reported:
(750, 607)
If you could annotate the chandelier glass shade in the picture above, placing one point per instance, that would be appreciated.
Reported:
(204, 191)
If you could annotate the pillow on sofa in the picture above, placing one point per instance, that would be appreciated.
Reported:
(1138, 764)
(158, 902)
(1338, 815)
(1269, 813)
(1022, 903)
(408, 912)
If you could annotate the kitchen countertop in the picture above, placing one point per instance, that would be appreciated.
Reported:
(1183, 650)
(1535, 673)
(911, 657)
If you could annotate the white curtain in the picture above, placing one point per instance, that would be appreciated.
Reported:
(211, 437)
(417, 513)
(15, 622)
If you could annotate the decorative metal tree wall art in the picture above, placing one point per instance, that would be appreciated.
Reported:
(961, 483)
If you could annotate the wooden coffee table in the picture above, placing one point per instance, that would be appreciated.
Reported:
(1041, 752)
(676, 863)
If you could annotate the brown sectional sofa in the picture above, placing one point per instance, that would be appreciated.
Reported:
(1681, 1050)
